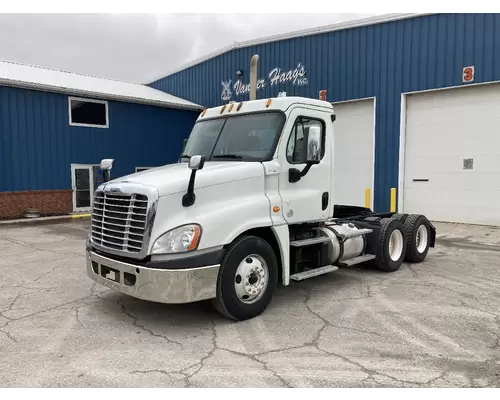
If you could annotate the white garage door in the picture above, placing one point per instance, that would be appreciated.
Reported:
(354, 135)
(452, 155)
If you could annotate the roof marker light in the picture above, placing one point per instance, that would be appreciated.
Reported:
(268, 102)
(231, 107)
(223, 108)
(239, 106)
(203, 112)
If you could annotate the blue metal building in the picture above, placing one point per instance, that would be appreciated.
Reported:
(404, 66)
(55, 127)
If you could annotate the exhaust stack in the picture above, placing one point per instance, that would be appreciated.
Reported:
(253, 76)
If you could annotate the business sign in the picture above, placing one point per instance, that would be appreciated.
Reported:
(275, 77)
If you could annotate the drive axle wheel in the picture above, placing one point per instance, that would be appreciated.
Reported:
(391, 247)
(401, 217)
(247, 279)
(418, 234)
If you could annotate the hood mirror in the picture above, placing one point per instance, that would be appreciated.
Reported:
(106, 166)
(195, 163)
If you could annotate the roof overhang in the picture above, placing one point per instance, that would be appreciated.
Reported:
(96, 95)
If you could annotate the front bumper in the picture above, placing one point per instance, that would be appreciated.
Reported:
(158, 285)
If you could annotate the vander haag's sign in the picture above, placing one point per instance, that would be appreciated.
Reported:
(276, 76)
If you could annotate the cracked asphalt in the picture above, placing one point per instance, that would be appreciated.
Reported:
(435, 324)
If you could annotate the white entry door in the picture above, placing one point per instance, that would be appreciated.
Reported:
(83, 182)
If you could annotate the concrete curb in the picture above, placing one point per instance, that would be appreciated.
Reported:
(44, 219)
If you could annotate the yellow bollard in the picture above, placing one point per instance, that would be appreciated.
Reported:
(367, 197)
(393, 200)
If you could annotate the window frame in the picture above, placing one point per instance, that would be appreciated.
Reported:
(105, 102)
(323, 138)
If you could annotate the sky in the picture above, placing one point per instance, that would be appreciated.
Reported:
(137, 47)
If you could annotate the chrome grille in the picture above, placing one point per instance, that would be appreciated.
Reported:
(119, 221)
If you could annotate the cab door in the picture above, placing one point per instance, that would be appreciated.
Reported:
(309, 198)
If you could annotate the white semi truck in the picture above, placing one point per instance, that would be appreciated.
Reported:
(249, 205)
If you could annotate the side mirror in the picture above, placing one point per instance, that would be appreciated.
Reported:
(313, 155)
(106, 165)
(196, 162)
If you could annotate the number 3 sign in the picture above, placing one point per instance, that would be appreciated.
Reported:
(468, 74)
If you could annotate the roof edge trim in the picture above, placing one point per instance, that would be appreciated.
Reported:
(97, 95)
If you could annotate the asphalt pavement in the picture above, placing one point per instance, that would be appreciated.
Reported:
(435, 324)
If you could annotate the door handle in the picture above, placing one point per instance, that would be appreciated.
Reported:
(324, 201)
(420, 180)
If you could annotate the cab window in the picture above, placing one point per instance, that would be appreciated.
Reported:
(296, 147)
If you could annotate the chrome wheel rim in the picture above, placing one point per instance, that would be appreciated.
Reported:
(396, 245)
(422, 238)
(251, 279)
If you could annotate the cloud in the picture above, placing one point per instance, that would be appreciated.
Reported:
(137, 47)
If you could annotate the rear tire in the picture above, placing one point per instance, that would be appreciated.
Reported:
(401, 217)
(391, 247)
(418, 234)
(247, 279)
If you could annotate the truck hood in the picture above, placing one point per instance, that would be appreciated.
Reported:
(174, 178)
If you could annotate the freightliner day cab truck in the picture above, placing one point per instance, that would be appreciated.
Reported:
(249, 205)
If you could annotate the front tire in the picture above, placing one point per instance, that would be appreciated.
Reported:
(247, 279)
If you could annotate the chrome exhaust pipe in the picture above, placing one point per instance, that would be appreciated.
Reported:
(253, 77)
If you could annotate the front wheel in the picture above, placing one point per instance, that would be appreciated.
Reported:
(247, 279)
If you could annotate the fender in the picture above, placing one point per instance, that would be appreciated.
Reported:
(282, 235)
(223, 211)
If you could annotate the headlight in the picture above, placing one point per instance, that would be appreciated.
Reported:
(178, 240)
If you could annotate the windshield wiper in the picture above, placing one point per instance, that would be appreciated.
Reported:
(234, 156)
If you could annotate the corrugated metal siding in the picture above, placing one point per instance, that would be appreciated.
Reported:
(38, 146)
(382, 60)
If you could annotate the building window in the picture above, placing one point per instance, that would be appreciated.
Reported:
(296, 149)
(86, 112)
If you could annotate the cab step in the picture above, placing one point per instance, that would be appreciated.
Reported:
(357, 260)
(313, 272)
(308, 242)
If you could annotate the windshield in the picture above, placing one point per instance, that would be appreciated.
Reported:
(245, 137)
